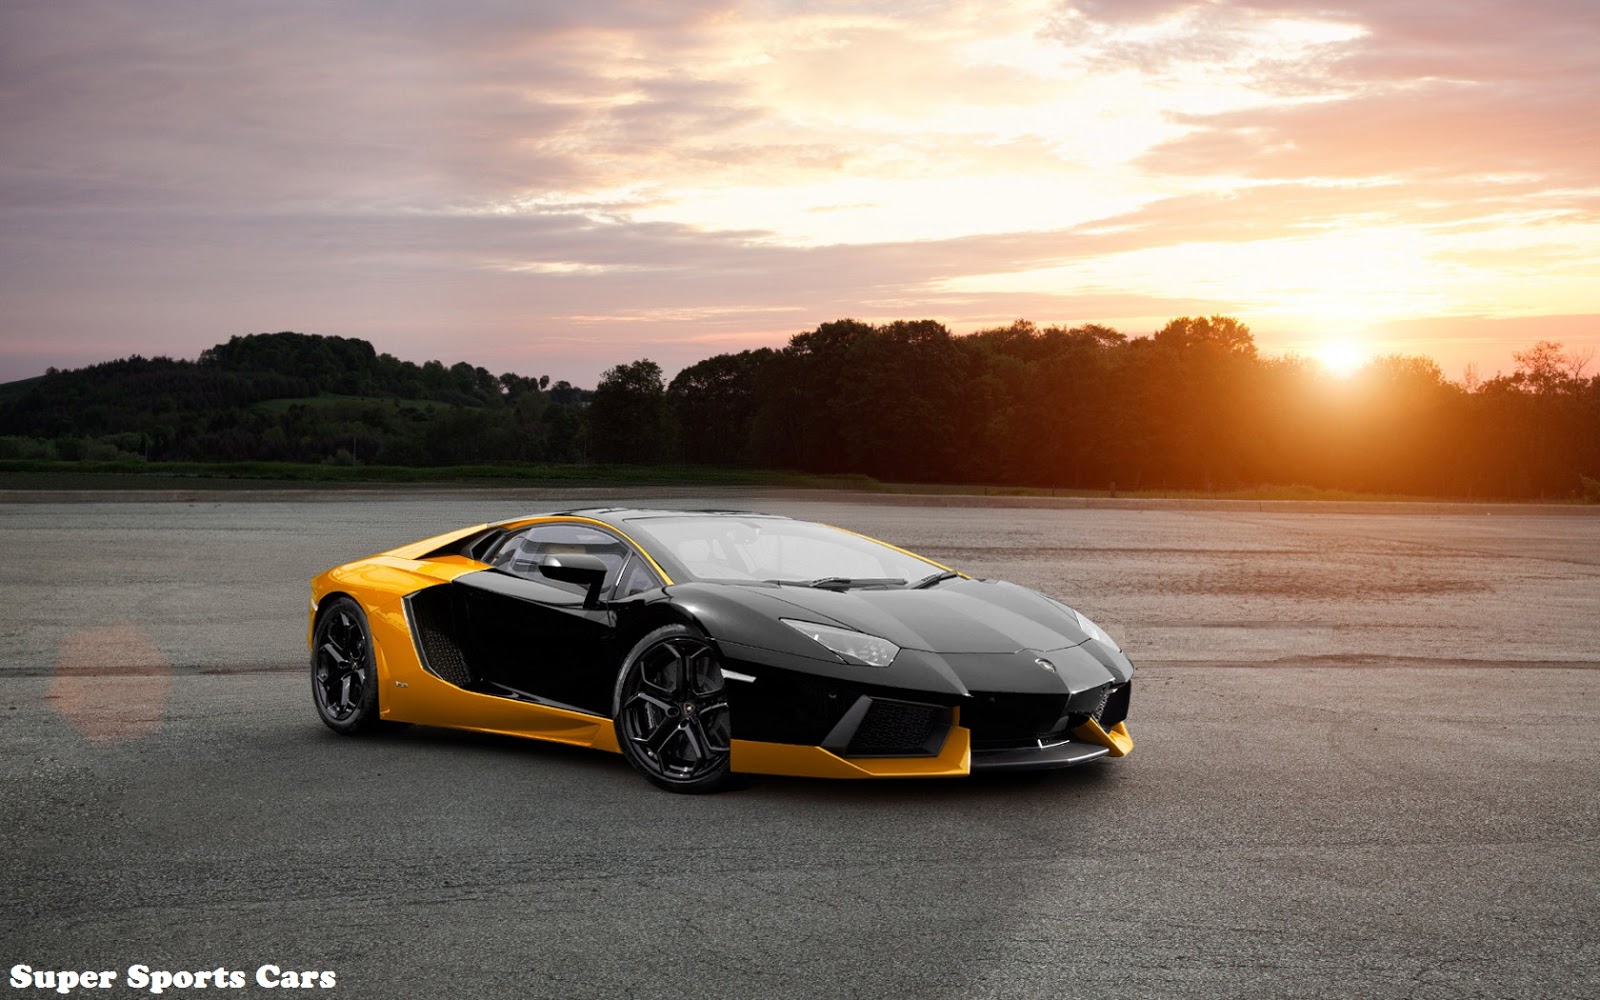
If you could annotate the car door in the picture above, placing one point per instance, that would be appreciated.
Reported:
(530, 637)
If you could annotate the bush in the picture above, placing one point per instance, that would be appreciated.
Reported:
(26, 447)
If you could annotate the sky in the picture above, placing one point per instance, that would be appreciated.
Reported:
(554, 188)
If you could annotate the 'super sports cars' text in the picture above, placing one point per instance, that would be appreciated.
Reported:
(703, 643)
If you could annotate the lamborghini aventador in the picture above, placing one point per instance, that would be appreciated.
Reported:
(701, 644)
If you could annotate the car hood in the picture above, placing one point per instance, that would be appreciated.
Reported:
(960, 616)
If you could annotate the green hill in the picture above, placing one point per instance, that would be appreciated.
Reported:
(290, 397)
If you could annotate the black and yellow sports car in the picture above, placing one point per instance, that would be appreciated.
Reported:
(704, 643)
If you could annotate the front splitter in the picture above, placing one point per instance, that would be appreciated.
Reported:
(1038, 758)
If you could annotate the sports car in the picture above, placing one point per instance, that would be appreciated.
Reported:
(701, 644)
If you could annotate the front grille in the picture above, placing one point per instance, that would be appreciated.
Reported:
(899, 729)
(1116, 707)
(1008, 718)
(1009, 722)
(1100, 696)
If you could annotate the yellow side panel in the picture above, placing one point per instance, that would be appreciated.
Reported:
(953, 761)
(449, 567)
(487, 714)
(379, 579)
(417, 550)
(1117, 738)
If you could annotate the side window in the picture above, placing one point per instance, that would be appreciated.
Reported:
(522, 552)
(636, 578)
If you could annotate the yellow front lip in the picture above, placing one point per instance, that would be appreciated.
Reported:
(752, 757)
(1116, 739)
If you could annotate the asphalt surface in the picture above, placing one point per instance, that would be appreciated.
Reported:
(1366, 767)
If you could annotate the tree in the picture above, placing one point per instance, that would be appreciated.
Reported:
(1218, 333)
(1197, 386)
(802, 419)
(714, 403)
(628, 417)
(1546, 368)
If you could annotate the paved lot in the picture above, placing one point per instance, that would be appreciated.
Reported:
(1366, 767)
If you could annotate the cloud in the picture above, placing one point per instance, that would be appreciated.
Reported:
(553, 183)
(1480, 88)
(1433, 130)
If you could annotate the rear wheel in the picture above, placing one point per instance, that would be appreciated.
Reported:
(344, 678)
(671, 711)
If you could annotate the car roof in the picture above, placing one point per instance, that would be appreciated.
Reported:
(614, 516)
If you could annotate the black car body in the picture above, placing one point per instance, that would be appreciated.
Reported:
(704, 643)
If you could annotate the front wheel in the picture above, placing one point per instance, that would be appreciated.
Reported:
(671, 711)
(344, 678)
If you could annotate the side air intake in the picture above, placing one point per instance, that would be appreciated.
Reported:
(430, 615)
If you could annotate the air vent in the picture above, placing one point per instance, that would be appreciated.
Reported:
(430, 617)
(900, 729)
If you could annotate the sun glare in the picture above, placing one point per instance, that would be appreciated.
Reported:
(1341, 358)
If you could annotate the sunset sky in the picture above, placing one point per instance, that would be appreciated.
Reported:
(552, 188)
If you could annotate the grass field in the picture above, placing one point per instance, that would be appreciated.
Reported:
(30, 474)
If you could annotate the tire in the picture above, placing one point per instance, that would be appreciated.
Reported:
(670, 710)
(344, 676)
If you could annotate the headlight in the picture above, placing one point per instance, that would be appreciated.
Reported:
(852, 647)
(1095, 631)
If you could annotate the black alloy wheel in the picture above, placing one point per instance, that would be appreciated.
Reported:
(671, 711)
(344, 680)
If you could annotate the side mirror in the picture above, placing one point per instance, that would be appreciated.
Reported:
(587, 571)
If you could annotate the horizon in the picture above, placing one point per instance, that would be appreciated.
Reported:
(559, 190)
(1333, 364)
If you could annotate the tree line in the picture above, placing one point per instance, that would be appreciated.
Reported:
(293, 397)
(1193, 406)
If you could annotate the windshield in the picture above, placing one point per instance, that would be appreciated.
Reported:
(737, 549)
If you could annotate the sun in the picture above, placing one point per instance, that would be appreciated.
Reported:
(1341, 358)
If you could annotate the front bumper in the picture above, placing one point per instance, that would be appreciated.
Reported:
(793, 721)
(1089, 742)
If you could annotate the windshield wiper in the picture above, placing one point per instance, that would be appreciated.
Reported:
(843, 582)
(936, 578)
